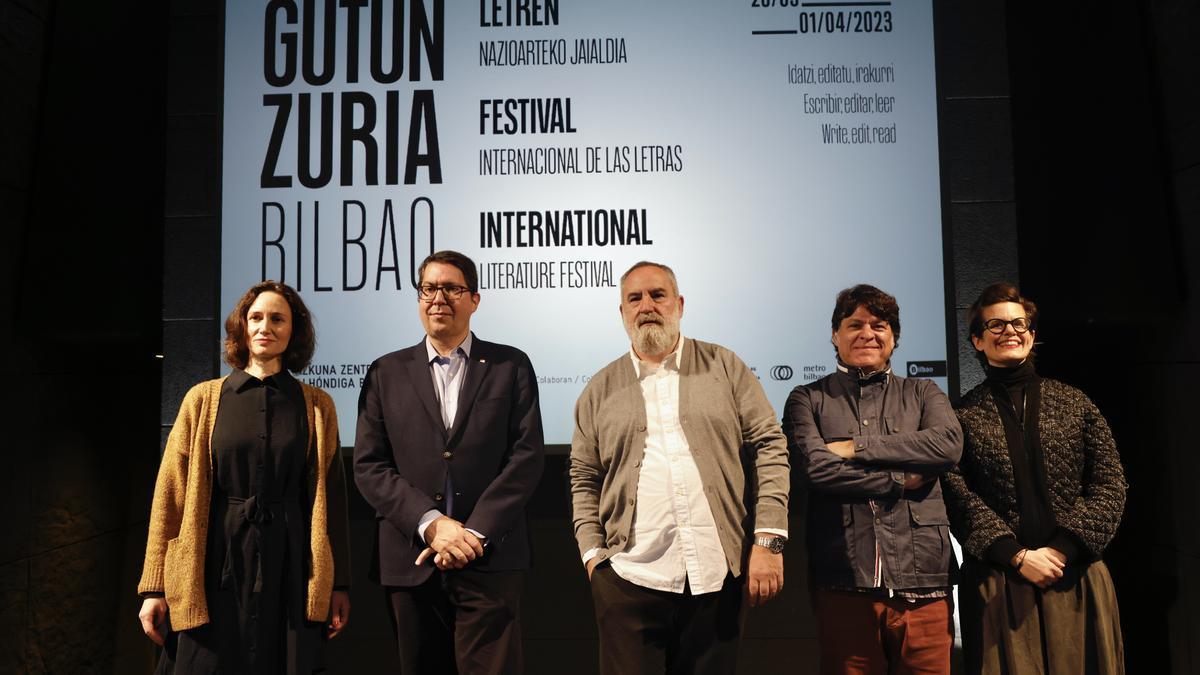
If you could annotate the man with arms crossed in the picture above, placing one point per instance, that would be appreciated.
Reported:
(448, 451)
(660, 492)
(872, 446)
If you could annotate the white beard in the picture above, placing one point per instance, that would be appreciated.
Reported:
(654, 338)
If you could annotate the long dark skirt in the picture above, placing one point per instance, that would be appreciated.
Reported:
(1010, 626)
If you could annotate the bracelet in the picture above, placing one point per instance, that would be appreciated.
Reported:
(1021, 558)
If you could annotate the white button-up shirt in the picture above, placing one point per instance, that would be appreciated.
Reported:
(448, 373)
(674, 542)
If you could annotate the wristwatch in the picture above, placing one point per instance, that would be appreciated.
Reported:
(773, 543)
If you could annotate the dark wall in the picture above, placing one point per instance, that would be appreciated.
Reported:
(977, 172)
(1106, 126)
(81, 200)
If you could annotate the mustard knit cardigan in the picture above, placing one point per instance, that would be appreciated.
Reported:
(175, 546)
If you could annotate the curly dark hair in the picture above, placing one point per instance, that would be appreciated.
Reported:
(876, 301)
(300, 347)
(1001, 291)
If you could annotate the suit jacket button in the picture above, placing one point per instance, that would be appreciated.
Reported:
(438, 497)
(447, 455)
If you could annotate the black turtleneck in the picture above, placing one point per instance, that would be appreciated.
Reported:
(1017, 394)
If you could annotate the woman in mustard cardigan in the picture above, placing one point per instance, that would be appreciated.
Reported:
(247, 559)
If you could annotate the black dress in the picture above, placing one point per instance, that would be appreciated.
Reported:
(255, 573)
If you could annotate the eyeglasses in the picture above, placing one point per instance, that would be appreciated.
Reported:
(428, 292)
(996, 326)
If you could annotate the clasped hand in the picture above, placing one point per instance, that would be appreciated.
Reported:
(1042, 566)
(451, 545)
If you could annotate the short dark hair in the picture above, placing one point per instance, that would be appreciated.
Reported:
(1001, 291)
(876, 301)
(454, 259)
(646, 263)
(301, 345)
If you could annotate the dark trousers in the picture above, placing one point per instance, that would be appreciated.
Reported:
(648, 631)
(862, 633)
(460, 621)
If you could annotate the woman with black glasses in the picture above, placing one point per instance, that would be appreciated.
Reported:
(1034, 501)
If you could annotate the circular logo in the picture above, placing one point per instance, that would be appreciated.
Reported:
(913, 370)
(781, 372)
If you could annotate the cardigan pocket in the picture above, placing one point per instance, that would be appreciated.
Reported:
(172, 591)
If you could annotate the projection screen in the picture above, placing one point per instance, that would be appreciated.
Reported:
(772, 152)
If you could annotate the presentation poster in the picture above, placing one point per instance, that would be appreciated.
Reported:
(772, 152)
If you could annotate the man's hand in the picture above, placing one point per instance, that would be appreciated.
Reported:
(591, 566)
(843, 449)
(454, 545)
(339, 606)
(1042, 566)
(765, 578)
(153, 616)
(912, 481)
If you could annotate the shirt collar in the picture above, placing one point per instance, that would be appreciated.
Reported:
(864, 378)
(464, 348)
(240, 380)
(671, 362)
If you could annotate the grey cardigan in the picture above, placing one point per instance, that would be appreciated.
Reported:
(729, 425)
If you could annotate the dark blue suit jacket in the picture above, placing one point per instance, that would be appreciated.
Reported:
(493, 453)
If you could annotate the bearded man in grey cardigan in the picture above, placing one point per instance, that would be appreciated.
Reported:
(679, 484)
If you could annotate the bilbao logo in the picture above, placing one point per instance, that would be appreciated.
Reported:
(782, 373)
(926, 369)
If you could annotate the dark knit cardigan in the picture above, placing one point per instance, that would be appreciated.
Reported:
(1083, 471)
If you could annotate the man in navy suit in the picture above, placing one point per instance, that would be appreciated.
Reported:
(448, 451)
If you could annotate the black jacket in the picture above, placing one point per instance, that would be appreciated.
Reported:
(1083, 471)
(494, 452)
(898, 425)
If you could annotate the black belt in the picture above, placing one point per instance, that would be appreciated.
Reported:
(253, 511)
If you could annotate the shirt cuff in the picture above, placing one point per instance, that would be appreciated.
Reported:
(861, 443)
(589, 554)
(430, 516)
(771, 530)
(1066, 542)
(1001, 551)
(478, 535)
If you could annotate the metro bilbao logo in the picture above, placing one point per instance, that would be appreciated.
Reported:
(781, 372)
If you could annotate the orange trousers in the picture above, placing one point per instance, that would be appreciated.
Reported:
(862, 633)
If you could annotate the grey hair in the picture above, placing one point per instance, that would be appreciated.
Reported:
(647, 263)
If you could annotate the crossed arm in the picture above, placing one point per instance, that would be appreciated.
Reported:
(873, 466)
